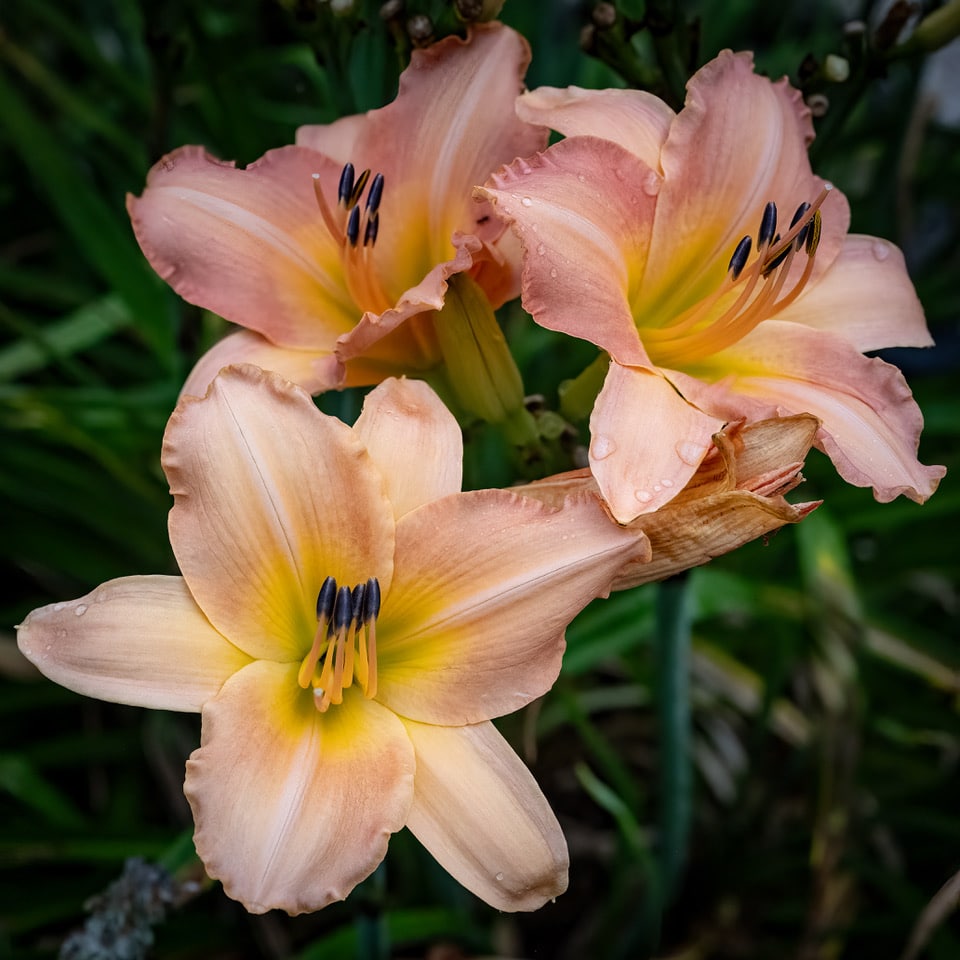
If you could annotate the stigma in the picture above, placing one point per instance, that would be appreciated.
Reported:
(344, 646)
(760, 282)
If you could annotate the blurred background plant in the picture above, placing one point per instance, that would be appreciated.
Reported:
(818, 815)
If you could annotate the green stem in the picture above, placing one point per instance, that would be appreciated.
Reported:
(672, 686)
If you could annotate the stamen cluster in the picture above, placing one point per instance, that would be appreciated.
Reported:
(701, 332)
(357, 221)
(346, 642)
(355, 228)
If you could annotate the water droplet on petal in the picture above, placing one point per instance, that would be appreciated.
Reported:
(690, 452)
(58, 607)
(526, 201)
(601, 447)
(644, 496)
(499, 876)
(881, 250)
(667, 482)
(581, 178)
(553, 272)
(651, 184)
(81, 610)
(541, 248)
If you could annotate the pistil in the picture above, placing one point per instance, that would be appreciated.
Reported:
(344, 645)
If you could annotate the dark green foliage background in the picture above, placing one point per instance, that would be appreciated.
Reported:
(826, 665)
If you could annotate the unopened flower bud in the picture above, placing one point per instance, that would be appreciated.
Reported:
(836, 69)
(420, 29)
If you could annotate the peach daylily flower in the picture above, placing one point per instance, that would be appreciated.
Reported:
(347, 623)
(667, 240)
(330, 252)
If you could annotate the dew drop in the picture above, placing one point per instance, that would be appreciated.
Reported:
(602, 447)
(499, 876)
(644, 496)
(541, 248)
(690, 452)
(553, 272)
(881, 250)
(58, 607)
(666, 482)
(49, 646)
(657, 488)
(81, 610)
(651, 185)
(526, 201)
(581, 178)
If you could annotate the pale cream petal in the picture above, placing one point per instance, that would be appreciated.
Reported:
(484, 587)
(292, 807)
(479, 811)
(415, 442)
(270, 498)
(646, 440)
(136, 640)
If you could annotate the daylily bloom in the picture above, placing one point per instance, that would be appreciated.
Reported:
(701, 253)
(348, 623)
(333, 252)
(736, 495)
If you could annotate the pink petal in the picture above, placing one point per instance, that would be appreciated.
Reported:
(249, 244)
(314, 372)
(136, 640)
(871, 423)
(426, 296)
(293, 808)
(485, 584)
(453, 122)
(647, 440)
(739, 142)
(337, 140)
(583, 211)
(866, 296)
(415, 442)
(479, 811)
(271, 497)
(635, 119)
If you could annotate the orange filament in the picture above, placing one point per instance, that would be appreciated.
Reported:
(345, 642)
(700, 332)
(355, 229)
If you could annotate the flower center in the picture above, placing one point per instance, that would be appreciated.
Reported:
(345, 645)
(750, 292)
(355, 228)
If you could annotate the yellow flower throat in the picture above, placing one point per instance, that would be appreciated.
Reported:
(750, 292)
(344, 647)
